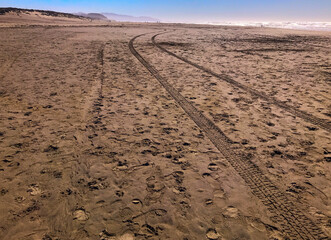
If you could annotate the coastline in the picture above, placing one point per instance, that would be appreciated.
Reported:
(310, 26)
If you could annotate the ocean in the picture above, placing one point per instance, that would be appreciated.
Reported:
(317, 26)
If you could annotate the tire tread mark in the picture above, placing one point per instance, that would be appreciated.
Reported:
(322, 123)
(292, 221)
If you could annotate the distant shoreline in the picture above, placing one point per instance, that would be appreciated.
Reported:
(310, 26)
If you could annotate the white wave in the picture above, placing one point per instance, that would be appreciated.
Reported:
(318, 26)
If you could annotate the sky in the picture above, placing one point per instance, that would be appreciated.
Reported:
(192, 11)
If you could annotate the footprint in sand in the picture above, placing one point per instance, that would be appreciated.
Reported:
(136, 204)
(121, 166)
(231, 212)
(3, 192)
(212, 234)
(34, 190)
(105, 235)
(154, 185)
(219, 193)
(258, 226)
(179, 176)
(80, 215)
(327, 155)
(125, 213)
(179, 189)
(160, 212)
(119, 193)
(148, 231)
(19, 199)
(126, 236)
(212, 167)
(208, 202)
(136, 201)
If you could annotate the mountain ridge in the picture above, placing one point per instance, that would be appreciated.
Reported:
(106, 16)
(92, 15)
(128, 18)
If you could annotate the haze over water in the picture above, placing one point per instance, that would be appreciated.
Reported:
(317, 26)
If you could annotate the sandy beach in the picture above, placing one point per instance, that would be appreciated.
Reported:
(163, 131)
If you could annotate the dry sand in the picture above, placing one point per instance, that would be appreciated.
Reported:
(234, 143)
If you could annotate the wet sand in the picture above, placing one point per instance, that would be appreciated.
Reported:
(205, 133)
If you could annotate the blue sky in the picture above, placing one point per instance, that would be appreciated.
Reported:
(193, 10)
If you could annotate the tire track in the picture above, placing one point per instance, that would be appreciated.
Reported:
(324, 124)
(62, 224)
(292, 221)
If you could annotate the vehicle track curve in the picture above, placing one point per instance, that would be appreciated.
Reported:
(294, 223)
(322, 123)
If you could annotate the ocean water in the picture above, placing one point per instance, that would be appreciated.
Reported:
(317, 26)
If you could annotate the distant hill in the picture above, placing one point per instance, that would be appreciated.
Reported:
(80, 15)
(3, 11)
(92, 15)
(127, 18)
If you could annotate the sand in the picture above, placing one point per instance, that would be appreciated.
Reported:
(207, 133)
